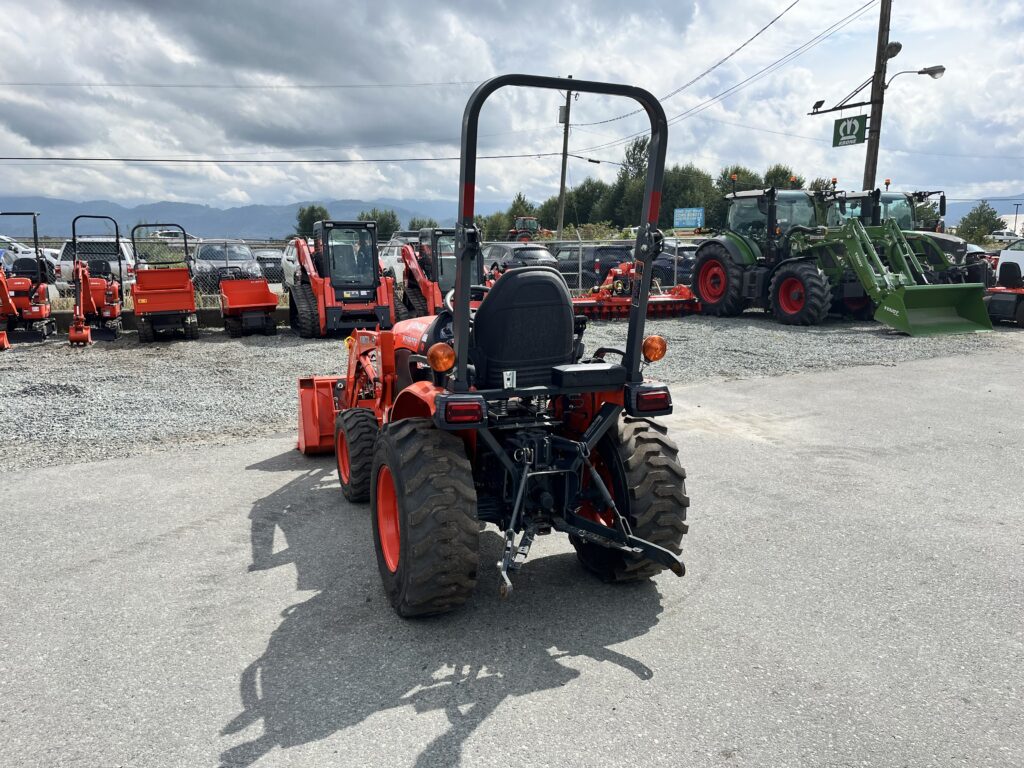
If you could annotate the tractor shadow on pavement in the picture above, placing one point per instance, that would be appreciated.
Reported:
(343, 656)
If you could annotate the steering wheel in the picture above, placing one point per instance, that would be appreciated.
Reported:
(474, 291)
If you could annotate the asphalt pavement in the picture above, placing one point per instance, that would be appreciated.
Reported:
(854, 597)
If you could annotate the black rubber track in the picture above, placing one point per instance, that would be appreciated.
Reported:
(360, 428)
(817, 294)
(269, 325)
(233, 325)
(650, 490)
(190, 326)
(415, 300)
(731, 304)
(439, 531)
(402, 312)
(307, 316)
(146, 333)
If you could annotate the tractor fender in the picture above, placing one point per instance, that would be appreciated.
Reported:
(739, 253)
(414, 402)
(791, 260)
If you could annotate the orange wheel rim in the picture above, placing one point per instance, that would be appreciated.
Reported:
(387, 519)
(341, 453)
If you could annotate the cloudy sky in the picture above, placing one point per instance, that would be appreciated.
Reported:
(397, 74)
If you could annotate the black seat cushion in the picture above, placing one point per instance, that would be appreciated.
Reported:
(99, 268)
(1009, 275)
(26, 267)
(524, 324)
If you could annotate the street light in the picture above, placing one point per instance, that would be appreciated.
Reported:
(933, 72)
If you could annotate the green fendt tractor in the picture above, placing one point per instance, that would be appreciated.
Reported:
(776, 254)
(943, 258)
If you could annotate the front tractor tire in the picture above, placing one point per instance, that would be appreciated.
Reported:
(718, 281)
(355, 432)
(800, 294)
(649, 487)
(423, 509)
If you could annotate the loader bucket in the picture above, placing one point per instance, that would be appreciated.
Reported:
(238, 296)
(934, 310)
(316, 414)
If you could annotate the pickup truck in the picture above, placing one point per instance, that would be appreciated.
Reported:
(95, 249)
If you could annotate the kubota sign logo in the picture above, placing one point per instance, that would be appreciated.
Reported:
(850, 130)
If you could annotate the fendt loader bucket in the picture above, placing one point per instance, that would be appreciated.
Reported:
(933, 310)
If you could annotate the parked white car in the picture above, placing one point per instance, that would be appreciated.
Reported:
(98, 248)
(1004, 236)
(12, 250)
(290, 262)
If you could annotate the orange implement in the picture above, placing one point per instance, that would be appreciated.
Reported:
(238, 296)
(4, 343)
(163, 290)
(316, 414)
(613, 298)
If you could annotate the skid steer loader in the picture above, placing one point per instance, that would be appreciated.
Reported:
(500, 416)
(429, 273)
(340, 284)
(777, 254)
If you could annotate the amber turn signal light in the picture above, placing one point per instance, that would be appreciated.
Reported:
(441, 357)
(654, 348)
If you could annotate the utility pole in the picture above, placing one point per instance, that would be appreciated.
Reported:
(564, 118)
(1016, 207)
(877, 96)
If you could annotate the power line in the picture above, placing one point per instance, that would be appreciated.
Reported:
(703, 74)
(243, 86)
(775, 65)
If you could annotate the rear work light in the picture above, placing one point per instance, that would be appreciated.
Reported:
(653, 400)
(464, 412)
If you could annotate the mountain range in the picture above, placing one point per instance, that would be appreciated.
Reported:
(248, 221)
(258, 221)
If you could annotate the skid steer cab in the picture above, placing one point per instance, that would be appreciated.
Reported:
(340, 284)
(495, 412)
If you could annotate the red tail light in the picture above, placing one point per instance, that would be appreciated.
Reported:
(653, 400)
(464, 412)
(56, 270)
(597, 266)
(131, 270)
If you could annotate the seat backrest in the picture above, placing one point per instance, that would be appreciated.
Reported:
(26, 267)
(524, 324)
(1009, 275)
(100, 268)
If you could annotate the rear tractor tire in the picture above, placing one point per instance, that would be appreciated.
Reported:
(800, 294)
(423, 508)
(355, 432)
(649, 488)
(718, 281)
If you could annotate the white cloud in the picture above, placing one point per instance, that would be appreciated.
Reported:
(960, 133)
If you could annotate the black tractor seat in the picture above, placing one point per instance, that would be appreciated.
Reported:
(1009, 275)
(26, 267)
(524, 324)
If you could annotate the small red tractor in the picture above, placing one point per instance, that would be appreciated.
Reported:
(612, 299)
(1005, 300)
(526, 228)
(500, 416)
(97, 292)
(340, 284)
(163, 294)
(24, 293)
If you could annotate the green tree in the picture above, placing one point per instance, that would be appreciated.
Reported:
(820, 184)
(305, 218)
(581, 201)
(927, 213)
(782, 176)
(634, 160)
(547, 212)
(521, 207)
(980, 222)
(496, 226)
(417, 223)
(387, 222)
(686, 186)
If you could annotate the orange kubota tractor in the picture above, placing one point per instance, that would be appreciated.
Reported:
(24, 293)
(500, 416)
(163, 294)
(98, 291)
(340, 284)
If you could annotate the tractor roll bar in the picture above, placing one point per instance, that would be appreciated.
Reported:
(644, 250)
(184, 238)
(117, 243)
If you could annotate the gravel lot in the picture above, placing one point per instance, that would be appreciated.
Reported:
(122, 399)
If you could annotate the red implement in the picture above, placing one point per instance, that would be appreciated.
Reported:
(248, 305)
(316, 414)
(612, 299)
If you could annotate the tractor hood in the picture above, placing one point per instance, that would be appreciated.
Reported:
(955, 247)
